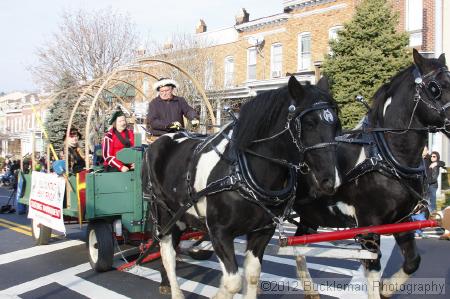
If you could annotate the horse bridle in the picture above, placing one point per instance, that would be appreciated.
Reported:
(295, 115)
(429, 86)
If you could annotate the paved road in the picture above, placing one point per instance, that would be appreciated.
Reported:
(61, 270)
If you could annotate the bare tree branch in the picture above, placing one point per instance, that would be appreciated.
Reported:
(86, 46)
(188, 52)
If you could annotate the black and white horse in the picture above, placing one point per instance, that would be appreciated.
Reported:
(382, 171)
(238, 181)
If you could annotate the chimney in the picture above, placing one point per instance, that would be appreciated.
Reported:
(201, 27)
(242, 17)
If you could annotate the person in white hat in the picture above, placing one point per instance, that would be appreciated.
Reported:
(166, 111)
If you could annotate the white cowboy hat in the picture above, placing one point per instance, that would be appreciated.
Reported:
(165, 82)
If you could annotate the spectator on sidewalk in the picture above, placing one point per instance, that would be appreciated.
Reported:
(433, 168)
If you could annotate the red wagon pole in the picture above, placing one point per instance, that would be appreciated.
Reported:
(156, 255)
(361, 231)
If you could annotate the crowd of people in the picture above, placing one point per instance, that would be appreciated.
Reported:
(9, 169)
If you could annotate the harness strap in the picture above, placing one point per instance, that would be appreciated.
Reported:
(281, 162)
(402, 170)
(366, 166)
(346, 139)
(224, 184)
(380, 165)
(430, 129)
(269, 197)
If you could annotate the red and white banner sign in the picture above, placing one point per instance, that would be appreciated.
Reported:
(46, 200)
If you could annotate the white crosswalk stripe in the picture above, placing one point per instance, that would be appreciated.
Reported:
(68, 279)
(35, 251)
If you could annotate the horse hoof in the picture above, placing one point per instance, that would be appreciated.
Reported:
(164, 290)
(312, 296)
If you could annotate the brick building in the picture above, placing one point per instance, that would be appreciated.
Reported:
(18, 124)
(250, 56)
(254, 55)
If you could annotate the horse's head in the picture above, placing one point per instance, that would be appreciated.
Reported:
(432, 82)
(313, 126)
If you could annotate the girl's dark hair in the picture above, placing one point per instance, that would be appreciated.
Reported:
(437, 155)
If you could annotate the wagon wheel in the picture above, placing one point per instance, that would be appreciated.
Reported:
(40, 233)
(100, 245)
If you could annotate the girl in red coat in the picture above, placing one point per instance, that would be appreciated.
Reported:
(117, 138)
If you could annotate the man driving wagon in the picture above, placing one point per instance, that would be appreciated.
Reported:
(166, 111)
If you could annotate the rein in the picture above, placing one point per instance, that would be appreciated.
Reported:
(429, 129)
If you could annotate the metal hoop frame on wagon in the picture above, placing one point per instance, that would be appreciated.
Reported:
(75, 108)
(112, 77)
(197, 84)
(52, 98)
(95, 84)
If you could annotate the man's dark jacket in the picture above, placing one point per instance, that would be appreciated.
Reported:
(161, 113)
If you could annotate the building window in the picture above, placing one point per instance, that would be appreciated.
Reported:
(414, 21)
(229, 72)
(251, 64)
(304, 51)
(209, 80)
(333, 35)
(276, 59)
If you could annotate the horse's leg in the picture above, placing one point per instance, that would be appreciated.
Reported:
(168, 256)
(302, 270)
(372, 269)
(164, 286)
(407, 245)
(231, 281)
(305, 277)
(256, 244)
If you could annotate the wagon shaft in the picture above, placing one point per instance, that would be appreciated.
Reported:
(361, 231)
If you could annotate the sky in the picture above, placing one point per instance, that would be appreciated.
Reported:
(27, 24)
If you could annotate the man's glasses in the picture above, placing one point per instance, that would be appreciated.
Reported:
(165, 90)
(73, 135)
(433, 156)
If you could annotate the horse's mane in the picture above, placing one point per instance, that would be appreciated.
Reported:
(386, 91)
(259, 114)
